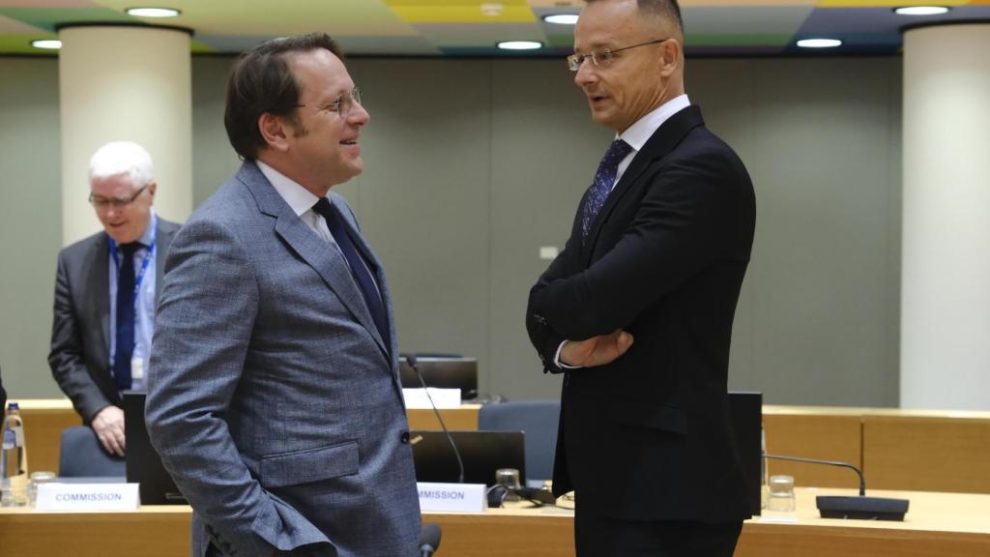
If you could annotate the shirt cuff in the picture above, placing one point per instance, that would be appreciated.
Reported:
(560, 364)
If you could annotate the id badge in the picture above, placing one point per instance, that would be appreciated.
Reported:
(137, 368)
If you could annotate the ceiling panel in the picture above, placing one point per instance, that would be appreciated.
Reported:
(469, 27)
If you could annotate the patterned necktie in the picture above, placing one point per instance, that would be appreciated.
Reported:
(602, 186)
(124, 334)
(359, 270)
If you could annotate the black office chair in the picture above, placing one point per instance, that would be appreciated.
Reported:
(538, 420)
(82, 456)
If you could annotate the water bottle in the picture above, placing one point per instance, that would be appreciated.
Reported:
(13, 460)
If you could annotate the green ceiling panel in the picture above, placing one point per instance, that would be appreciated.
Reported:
(737, 40)
(48, 18)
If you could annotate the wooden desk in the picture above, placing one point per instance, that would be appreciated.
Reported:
(937, 524)
(897, 449)
(464, 418)
(928, 451)
(931, 450)
(44, 420)
(814, 432)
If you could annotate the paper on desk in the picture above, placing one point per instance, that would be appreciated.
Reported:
(443, 398)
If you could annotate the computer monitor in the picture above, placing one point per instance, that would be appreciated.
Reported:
(483, 452)
(746, 418)
(444, 373)
(144, 466)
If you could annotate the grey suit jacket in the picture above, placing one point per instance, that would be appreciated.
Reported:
(272, 400)
(80, 350)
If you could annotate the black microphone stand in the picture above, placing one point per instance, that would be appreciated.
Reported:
(861, 507)
(411, 360)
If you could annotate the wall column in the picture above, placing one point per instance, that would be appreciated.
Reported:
(945, 275)
(125, 83)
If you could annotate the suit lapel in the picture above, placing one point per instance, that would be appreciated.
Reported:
(324, 259)
(97, 275)
(662, 142)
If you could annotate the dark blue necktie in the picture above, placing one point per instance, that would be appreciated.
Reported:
(602, 186)
(359, 269)
(124, 347)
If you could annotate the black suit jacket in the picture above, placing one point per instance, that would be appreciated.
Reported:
(647, 437)
(80, 349)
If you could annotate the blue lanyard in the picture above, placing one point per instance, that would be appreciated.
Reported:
(148, 256)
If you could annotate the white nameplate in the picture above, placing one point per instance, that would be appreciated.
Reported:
(443, 398)
(87, 497)
(462, 498)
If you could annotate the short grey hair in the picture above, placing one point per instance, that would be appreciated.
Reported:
(122, 157)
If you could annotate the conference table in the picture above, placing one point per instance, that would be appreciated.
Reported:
(937, 524)
(44, 420)
(922, 450)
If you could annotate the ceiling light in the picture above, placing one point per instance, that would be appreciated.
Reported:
(819, 43)
(519, 45)
(152, 12)
(47, 44)
(561, 19)
(921, 10)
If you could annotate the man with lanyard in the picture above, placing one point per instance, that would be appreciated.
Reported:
(105, 292)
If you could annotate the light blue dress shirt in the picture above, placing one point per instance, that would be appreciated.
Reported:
(144, 309)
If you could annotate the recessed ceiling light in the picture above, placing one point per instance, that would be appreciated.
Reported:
(152, 12)
(819, 43)
(519, 45)
(47, 44)
(561, 19)
(921, 10)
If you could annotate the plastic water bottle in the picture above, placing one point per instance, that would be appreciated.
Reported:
(13, 460)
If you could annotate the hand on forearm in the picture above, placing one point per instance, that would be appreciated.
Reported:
(596, 351)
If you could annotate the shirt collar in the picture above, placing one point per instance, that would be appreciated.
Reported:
(640, 132)
(299, 198)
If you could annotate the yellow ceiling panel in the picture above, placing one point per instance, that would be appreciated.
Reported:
(556, 3)
(453, 3)
(462, 13)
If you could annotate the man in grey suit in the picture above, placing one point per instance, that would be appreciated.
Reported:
(106, 289)
(274, 400)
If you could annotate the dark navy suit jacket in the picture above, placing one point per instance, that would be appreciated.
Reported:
(647, 437)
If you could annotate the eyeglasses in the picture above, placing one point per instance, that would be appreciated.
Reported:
(342, 105)
(602, 58)
(102, 203)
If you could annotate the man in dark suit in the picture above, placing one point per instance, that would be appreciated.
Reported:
(106, 289)
(274, 399)
(637, 310)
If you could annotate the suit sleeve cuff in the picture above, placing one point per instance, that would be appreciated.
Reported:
(558, 362)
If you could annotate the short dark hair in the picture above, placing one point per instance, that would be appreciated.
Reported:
(667, 9)
(262, 82)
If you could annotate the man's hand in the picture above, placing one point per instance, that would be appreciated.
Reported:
(109, 427)
(596, 351)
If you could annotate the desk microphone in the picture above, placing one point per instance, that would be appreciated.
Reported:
(862, 507)
(429, 539)
(411, 360)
